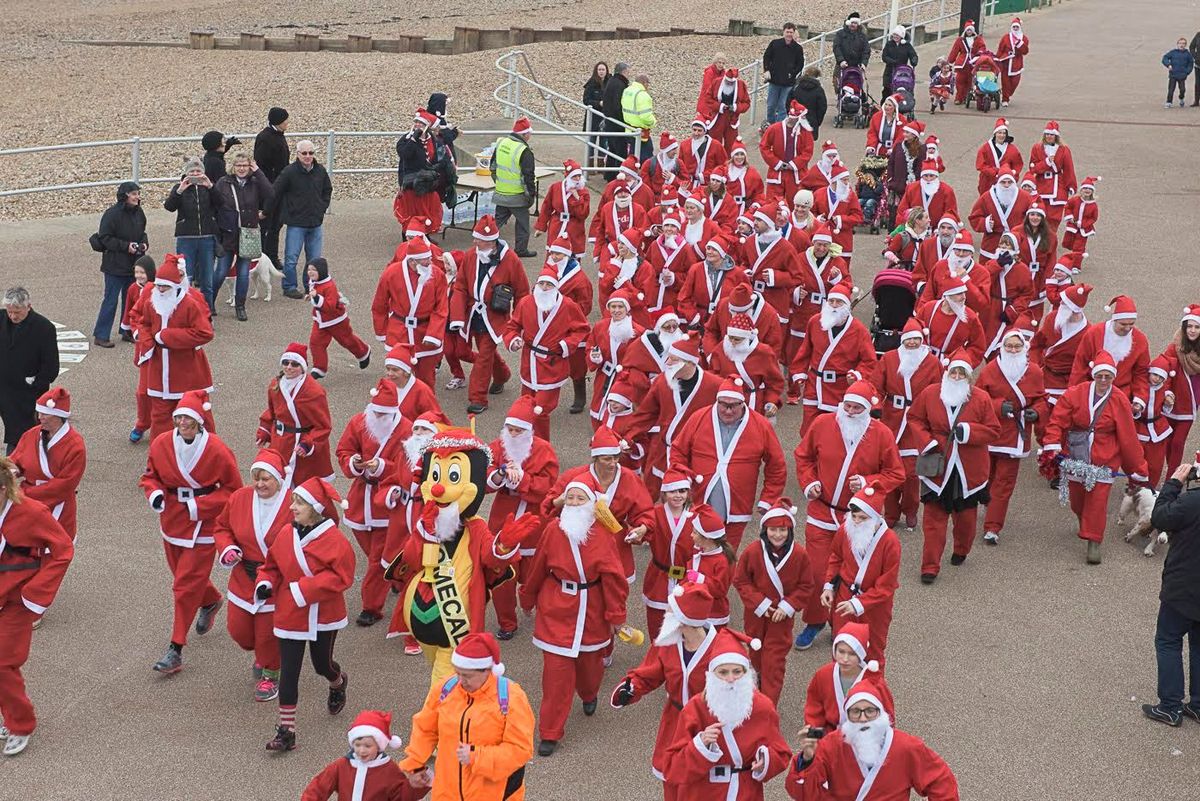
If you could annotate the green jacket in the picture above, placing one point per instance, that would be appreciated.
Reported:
(637, 107)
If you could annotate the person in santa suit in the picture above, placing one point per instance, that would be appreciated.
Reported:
(524, 468)
(998, 210)
(478, 315)
(1011, 294)
(820, 174)
(244, 531)
(578, 584)
(933, 148)
(836, 351)
(1057, 339)
(965, 50)
(774, 580)
(868, 758)
(742, 354)
(771, 263)
(307, 572)
(1010, 53)
(35, 552)
(712, 559)
(173, 329)
(900, 376)
(296, 422)
(366, 773)
(623, 396)
(719, 205)
(565, 208)
(903, 244)
(418, 151)
(818, 272)
(698, 156)
(190, 474)
(670, 547)
(743, 182)
(796, 222)
(669, 259)
(647, 354)
(623, 267)
(1053, 167)
(1080, 217)
(697, 229)
(418, 228)
(51, 458)
(606, 344)
(1153, 425)
(729, 445)
(1038, 245)
(1125, 343)
(837, 206)
(934, 248)
(742, 299)
(884, 129)
(662, 170)
(331, 320)
(728, 743)
(707, 282)
(414, 395)
(614, 219)
(956, 421)
(930, 193)
(575, 284)
(131, 322)
(1183, 353)
(1092, 430)
(951, 325)
(629, 173)
(1016, 387)
(369, 452)
(1060, 278)
(995, 154)
(786, 148)
(960, 266)
(825, 701)
(412, 305)
(721, 107)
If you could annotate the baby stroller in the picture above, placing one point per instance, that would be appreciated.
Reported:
(904, 83)
(853, 104)
(895, 298)
(872, 192)
(985, 83)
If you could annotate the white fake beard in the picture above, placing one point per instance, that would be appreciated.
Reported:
(667, 162)
(826, 162)
(623, 201)
(576, 522)
(165, 302)
(673, 375)
(911, 358)
(861, 534)
(959, 307)
(843, 190)
(668, 339)
(414, 445)
(517, 448)
(738, 353)
(424, 271)
(1117, 346)
(447, 523)
(1050, 150)
(1014, 365)
(955, 391)
(1007, 196)
(380, 427)
(930, 188)
(945, 240)
(767, 237)
(831, 317)
(852, 428)
(627, 268)
(669, 633)
(866, 739)
(1062, 321)
(621, 331)
(730, 702)
(545, 298)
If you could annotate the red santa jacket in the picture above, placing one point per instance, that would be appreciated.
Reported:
(745, 184)
(772, 269)
(670, 541)
(564, 212)
(51, 470)
(299, 419)
(611, 221)
(645, 354)
(614, 273)
(475, 284)
(767, 322)
(948, 333)
(963, 52)
(192, 492)
(612, 357)
(814, 278)
(929, 253)
(579, 591)
(1133, 372)
(823, 458)
(991, 158)
(723, 769)
(368, 489)
(1011, 52)
(908, 766)
(1079, 222)
(328, 305)
(1114, 443)
(170, 352)
(641, 191)
(759, 371)
(989, 218)
(1180, 383)
(785, 149)
(35, 553)
(416, 398)
(825, 701)
(966, 456)
(575, 284)
(830, 361)
(308, 575)
(539, 471)
(699, 157)
(937, 206)
(1039, 253)
(409, 310)
(713, 108)
(667, 409)
(1011, 294)
(868, 581)
(1056, 353)
(717, 572)
(723, 210)
(762, 584)
(238, 527)
(841, 215)
(659, 171)
(1015, 438)
(1152, 423)
(880, 141)
(817, 177)
(665, 256)
(698, 297)
(627, 499)
(979, 285)
(1053, 174)
(798, 234)
(378, 780)
(898, 393)
(550, 338)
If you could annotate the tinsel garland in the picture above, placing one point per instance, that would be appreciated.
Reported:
(1085, 472)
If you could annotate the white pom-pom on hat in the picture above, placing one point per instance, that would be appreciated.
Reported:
(699, 479)
(498, 669)
(1108, 308)
(538, 409)
(641, 296)
(869, 491)
(344, 504)
(395, 742)
(50, 403)
(206, 406)
(793, 509)
(873, 666)
(374, 392)
(756, 644)
(737, 382)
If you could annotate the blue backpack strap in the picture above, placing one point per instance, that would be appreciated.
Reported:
(502, 693)
(448, 688)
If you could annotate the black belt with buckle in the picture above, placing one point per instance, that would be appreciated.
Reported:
(676, 572)
(283, 428)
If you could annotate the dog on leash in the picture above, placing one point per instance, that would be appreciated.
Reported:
(262, 272)
(1138, 502)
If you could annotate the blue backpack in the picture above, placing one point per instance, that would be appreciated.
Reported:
(501, 691)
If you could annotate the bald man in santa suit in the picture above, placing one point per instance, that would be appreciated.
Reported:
(411, 306)
(51, 457)
(1125, 343)
(1057, 339)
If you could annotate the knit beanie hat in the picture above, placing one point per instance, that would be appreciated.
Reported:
(212, 140)
(276, 115)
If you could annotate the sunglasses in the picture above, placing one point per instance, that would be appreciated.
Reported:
(305, 153)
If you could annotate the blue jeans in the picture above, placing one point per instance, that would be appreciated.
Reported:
(198, 253)
(776, 102)
(1168, 644)
(312, 239)
(115, 287)
(242, 283)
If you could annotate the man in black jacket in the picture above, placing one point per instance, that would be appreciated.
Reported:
(851, 48)
(28, 363)
(614, 90)
(1194, 49)
(898, 50)
(782, 63)
(302, 194)
(272, 155)
(1178, 513)
(123, 236)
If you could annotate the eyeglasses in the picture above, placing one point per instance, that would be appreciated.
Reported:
(862, 713)
(305, 152)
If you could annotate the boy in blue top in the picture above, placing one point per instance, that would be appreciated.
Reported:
(1179, 64)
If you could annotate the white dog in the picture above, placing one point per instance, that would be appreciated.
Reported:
(262, 271)
(1139, 502)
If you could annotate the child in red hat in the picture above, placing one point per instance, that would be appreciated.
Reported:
(366, 773)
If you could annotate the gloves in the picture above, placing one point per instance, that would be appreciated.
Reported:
(960, 433)
(1006, 408)
(262, 592)
(623, 695)
(1030, 415)
(158, 502)
(876, 414)
(1004, 259)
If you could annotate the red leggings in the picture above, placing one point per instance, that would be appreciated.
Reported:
(16, 632)
(562, 678)
(254, 633)
(934, 523)
(374, 590)
(142, 423)
(190, 569)
(1176, 443)
(343, 334)
(1155, 454)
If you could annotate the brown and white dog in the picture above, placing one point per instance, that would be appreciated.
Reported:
(1139, 502)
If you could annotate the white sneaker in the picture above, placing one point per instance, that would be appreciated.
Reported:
(1004, 104)
(15, 744)
(1167, 104)
(607, 661)
(3, 731)
(991, 537)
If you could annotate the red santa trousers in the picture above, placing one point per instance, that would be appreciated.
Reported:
(654, 621)
(457, 351)
(254, 633)
(548, 400)
(489, 368)
(16, 632)
(562, 678)
(504, 598)
(818, 542)
(733, 535)
(1155, 454)
(318, 345)
(579, 367)
(962, 85)
(1091, 508)
(934, 523)
(1176, 443)
(142, 422)
(878, 621)
(161, 415)
(1001, 483)
(906, 499)
(770, 661)
(791, 344)
(191, 586)
(810, 413)
(1008, 84)
(426, 369)
(374, 590)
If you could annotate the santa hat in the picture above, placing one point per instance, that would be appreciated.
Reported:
(1191, 314)
(419, 248)
(1162, 366)
(761, 214)
(428, 118)
(687, 349)
(931, 141)
(740, 298)
(740, 325)
(669, 196)
(1103, 360)
(1028, 179)
(732, 388)
(691, 602)
(864, 690)
(869, 499)
(1015, 21)
(376, 725)
(665, 315)
(829, 148)
(719, 174)
(1122, 307)
(745, 219)
(969, 25)
(549, 274)
(821, 233)
(401, 356)
(717, 243)
(930, 168)
(621, 187)
(1035, 208)
(269, 460)
(417, 225)
(1001, 125)
(797, 109)
(963, 241)
(738, 147)
(626, 295)
(171, 272)
(838, 171)
(629, 238)
(430, 421)
(478, 651)
(731, 73)
(914, 127)
(629, 168)
(673, 218)
(1068, 263)
(585, 484)
(295, 352)
(783, 511)
(196, 405)
(857, 636)
(899, 30)
(523, 412)
(1025, 327)
(707, 522)
(321, 496)
(694, 200)
(1006, 172)
(1090, 182)
(676, 478)
(571, 169)
(730, 649)
(950, 219)
(895, 100)
(955, 286)
(862, 393)
(960, 358)
(667, 142)
(844, 290)
(486, 229)
(1052, 128)
(562, 244)
(1076, 297)
(522, 126)
(605, 442)
(55, 401)
(913, 330)
(699, 123)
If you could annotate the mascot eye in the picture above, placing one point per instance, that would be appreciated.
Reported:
(454, 474)
(435, 474)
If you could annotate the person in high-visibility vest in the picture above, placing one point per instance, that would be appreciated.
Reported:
(512, 172)
(637, 109)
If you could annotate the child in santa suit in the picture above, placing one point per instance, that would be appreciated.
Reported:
(296, 422)
(670, 547)
(728, 742)
(366, 773)
(143, 276)
(1079, 220)
(35, 553)
(825, 703)
(51, 458)
(773, 578)
(247, 526)
(307, 572)
(331, 321)
(606, 345)
(712, 560)
(1152, 422)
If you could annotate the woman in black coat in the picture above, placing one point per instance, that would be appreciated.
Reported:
(593, 98)
(896, 51)
(244, 195)
(809, 93)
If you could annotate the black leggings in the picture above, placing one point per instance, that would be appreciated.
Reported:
(1177, 82)
(291, 657)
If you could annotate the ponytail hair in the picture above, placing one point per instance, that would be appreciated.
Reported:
(9, 481)
(727, 550)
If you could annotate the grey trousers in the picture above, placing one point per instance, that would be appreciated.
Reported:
(520, 215)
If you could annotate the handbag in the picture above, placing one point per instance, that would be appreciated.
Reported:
(930, 465)
(1079, 440)
(502, 299)
(249, 239)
